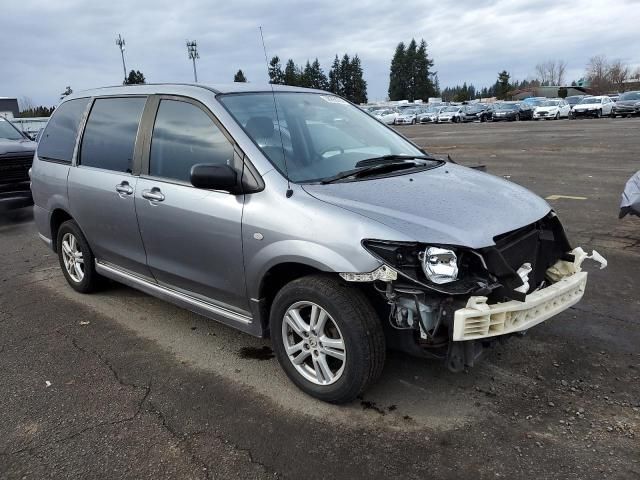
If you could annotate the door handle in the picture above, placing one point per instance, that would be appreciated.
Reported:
(154, 195)
(124, 188)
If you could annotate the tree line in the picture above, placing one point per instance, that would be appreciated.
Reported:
(346, 76)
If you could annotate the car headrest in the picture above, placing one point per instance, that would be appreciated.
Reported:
(260, 127)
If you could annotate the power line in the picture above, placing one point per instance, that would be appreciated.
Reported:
(120, 43)
(192, 49)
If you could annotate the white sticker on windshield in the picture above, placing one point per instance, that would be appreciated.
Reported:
(332, 99)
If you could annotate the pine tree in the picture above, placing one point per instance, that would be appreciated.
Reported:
(276, 75)
(334, 77)
(291, 76)
(346, 79)
(424, 85)
(502, 85)
(306, 78)
(239, 77)
(319, 78)
(359, 84)
(410, 59)
(135, 77)
(397, 76)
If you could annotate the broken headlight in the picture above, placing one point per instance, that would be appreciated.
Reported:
(440, 265)
(444, 269)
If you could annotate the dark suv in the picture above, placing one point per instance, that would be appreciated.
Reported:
(16, 156)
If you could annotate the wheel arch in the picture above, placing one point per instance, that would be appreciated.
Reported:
(58, 217)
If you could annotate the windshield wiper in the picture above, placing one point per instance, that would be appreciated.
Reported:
(390, 159)
(387, 165)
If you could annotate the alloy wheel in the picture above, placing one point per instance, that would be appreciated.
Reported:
(72, 257)
(313, 342)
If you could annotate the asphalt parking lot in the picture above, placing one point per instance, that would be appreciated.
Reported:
(119, 384)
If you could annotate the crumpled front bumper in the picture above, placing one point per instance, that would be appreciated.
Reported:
(481, 320)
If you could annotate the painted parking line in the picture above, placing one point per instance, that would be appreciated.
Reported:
(567, 197)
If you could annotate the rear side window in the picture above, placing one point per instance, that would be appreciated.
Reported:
(184, 135)
(110, 135)
(59, 137)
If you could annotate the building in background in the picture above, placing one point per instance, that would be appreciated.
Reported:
(9, 107)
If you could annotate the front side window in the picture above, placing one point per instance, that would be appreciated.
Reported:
(110, 135)
(59, 137)
(183, 136)
(318, 135)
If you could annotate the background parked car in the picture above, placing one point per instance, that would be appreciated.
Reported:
(511, 112)
(451, 114)
(552, 109)
(628, 104)
(476, 112)
(387, 116)
(16, 156)
(593, 107)
(430, 114)
(408, 116)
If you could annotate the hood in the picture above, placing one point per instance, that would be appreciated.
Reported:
(628, 103)
(450, 204)
(587, 105)
(547, 109)
(17, 146)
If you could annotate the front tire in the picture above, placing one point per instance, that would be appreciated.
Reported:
(327, 337)
(76, 258)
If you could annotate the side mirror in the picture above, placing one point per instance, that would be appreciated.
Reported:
(215, 177)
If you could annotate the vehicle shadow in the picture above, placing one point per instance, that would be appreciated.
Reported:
(16, 217)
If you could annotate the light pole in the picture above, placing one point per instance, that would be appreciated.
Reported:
(120, 44)
(192, 48)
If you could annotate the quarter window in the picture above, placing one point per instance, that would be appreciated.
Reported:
(110, 135)
(59, 137)
(183, 136)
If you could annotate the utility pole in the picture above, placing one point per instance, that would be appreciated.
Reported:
(120, 44)
(192, 49)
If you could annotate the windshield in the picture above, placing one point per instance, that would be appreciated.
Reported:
(590, 100)
(506, 106)
(450, 109)
(322, 135)
(410, 111)
(551, 103)
(629, 96)
(8, 131)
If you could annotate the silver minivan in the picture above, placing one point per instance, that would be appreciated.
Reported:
(291, 213)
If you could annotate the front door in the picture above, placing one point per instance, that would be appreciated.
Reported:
(192, 236)
(101, 187)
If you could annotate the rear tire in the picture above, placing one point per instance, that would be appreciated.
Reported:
(348, 317)
(76, 258)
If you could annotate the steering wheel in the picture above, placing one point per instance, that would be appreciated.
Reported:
(340, 151)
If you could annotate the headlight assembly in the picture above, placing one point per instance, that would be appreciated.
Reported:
(440, 265)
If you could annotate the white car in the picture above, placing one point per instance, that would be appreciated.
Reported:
(430, 115)
(408, 116)
(593, 107)
(387, 116)
(451, 114)
(552, 110)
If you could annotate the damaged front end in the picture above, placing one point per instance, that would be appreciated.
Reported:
(448, 301)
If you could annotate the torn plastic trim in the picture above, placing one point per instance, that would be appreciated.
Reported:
(563, 268)
(383, 273)
(482, 320)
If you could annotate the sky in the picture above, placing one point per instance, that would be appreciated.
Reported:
(47, 45)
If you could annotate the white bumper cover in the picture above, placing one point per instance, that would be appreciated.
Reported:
(481, 320)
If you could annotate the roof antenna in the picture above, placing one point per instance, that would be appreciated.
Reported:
(275, 106)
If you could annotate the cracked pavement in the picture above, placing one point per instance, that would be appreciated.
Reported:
(139, 388)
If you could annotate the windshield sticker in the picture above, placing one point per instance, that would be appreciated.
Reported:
(332, 99)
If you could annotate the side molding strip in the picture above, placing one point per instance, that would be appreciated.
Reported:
(195, 305)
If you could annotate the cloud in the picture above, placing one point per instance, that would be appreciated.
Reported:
(48, 45)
